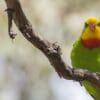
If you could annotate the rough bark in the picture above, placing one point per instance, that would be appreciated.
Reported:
(51, 50)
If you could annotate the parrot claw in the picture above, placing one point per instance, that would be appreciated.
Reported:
(81, 83)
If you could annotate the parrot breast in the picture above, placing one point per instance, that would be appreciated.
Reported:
(86, 58)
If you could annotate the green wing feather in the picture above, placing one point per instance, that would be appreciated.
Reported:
(87, 58)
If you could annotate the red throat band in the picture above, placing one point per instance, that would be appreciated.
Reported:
(91, 43)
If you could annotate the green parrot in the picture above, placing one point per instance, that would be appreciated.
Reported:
(85, 53)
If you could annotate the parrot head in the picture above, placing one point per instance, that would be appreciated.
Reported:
(90, 36)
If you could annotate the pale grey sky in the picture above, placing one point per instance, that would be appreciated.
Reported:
(68, 89)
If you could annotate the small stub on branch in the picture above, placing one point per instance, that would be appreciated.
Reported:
(10, 12)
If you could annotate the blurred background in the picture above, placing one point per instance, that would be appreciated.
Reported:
(25, 73)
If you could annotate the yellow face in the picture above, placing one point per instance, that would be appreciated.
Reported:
(92, 20)
(91, 29)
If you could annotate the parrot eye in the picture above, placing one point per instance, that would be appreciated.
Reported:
(86, 25)
(98, 24)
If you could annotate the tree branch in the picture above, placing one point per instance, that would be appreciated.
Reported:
(51, 50)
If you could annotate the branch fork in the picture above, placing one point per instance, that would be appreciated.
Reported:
(51, 50)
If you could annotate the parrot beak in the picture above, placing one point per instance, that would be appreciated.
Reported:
(92, 26)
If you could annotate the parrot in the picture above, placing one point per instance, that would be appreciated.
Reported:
(85, 53)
